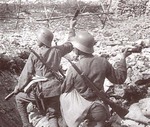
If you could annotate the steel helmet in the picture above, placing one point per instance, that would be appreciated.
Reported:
(45, 36)
(84, 42)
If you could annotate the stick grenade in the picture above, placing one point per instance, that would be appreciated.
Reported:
(76, 14)
(136, 49)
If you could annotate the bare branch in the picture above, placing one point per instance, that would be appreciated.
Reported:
(68, 16)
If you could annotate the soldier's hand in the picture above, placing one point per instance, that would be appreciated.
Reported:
(143, 42)
(127, 52)
(16, 90)
(72, 23)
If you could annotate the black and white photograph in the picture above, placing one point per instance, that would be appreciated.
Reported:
(74, 63)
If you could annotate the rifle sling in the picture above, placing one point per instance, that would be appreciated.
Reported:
(81, 73)
(54, 73)
(100, 94)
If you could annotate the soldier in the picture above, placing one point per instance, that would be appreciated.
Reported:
(78, 101)
(51, 87)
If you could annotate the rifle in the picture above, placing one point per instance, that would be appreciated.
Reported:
(12, 93)
(100, 94)
(39, 99)
(28, 87)
(54, 73)
(9, 96)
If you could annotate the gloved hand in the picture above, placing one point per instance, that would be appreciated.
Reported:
(16, 90)
(72, 23)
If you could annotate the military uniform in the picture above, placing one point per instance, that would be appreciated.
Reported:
(50, 88)
(78, 101)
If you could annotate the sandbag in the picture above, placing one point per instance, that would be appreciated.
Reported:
(73, 106)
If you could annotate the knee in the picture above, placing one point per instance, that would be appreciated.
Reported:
(19, 97)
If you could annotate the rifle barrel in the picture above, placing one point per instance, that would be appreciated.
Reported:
(9, 95)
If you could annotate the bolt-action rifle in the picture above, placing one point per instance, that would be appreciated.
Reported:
(100, 94)
(12, 93)
(37, 92)
(27, 87)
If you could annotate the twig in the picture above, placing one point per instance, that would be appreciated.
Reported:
(83, 9)
(107, 18)
(18, 14)
(105, 13)
(58, 25)
(3, 17)
(46, 14)
(52, 13)
(68, 16)
(55, 18)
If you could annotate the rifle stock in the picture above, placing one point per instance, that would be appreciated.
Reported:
(100, 94)
(121, 111)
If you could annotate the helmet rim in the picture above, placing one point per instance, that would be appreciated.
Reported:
(84, 42)
(83, 48)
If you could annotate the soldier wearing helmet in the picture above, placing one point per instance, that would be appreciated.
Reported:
(84, 42)
(78, 101)
(34, 68)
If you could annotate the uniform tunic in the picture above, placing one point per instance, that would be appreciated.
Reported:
(52, 56)
(79, 102)
(97, 69)
(50, 88)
